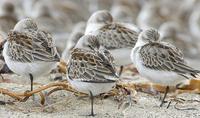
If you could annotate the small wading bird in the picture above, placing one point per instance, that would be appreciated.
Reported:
(29, 51)
(8, 17)
(75, 35)
(118, 38)
(90, 68)
(160, 62)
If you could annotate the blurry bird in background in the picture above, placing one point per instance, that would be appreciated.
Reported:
(174, 33)
(151, 16)
(77, 32)
(8, 17)
(125, 11)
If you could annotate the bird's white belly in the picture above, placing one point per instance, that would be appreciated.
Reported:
(121, 56)
(160, 77)
(155, 76)
(35, 68)
(95, 88)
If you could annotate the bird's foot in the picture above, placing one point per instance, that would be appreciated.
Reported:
(164, 102)
(125, 97)
(92, 114)
(182, 101)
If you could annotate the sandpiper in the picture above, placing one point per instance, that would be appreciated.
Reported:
(30, 52)
(118, 38)
(90, 68)
(160, 62)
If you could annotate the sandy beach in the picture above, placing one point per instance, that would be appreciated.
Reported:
(64, 104)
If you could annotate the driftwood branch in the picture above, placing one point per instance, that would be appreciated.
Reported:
(127, 88)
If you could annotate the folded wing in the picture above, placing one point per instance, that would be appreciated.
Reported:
(165, 57)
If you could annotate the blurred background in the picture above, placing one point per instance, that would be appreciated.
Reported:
(178, 21)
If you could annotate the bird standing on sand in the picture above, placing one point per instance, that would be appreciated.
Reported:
(29, 51)
(90, 68)
(160, 62)
(118, 38)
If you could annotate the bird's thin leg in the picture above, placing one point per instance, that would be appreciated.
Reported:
(92, 104)
(31, 78)
(2, 77)
(163, 100)
(121, 69)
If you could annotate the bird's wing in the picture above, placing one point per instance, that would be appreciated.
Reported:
(165, 57)
(30, 47)
(90, 66)
(115, 36)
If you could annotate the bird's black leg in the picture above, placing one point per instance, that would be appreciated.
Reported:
(163, 100)
(92, 104)
(121, 69)
(2, 77)
(31, 78)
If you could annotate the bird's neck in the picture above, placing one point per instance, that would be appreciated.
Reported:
(91, 27)
(140, 43)
(80, 44)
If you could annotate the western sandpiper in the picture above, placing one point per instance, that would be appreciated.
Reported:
(29, 51)
(160, 62)
(125, 10)
(194, 22)
(151, 15)
(75, 35)
(90, 68)
(175, 33)
(8, 17)
(118, 38)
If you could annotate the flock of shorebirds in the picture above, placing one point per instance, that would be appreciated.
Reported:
(92, 62)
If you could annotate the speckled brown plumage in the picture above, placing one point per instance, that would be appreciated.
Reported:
(31, 46)
(114, 36)
(163, 56)
(91, 66)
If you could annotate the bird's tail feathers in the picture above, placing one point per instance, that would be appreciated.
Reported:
(196, 74)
